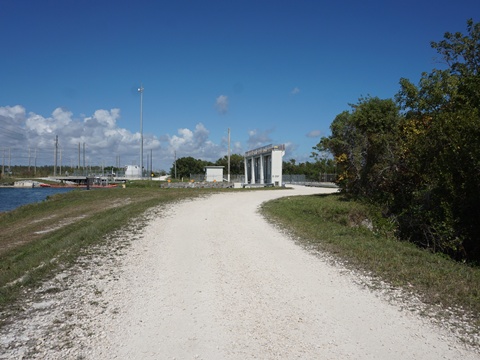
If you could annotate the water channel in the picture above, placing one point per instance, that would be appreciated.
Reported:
(12, 198)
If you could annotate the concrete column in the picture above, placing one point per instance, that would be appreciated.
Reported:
(253, 170)
(262, 175)
(245, 162)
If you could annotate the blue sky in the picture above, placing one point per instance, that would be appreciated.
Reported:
(271, 71)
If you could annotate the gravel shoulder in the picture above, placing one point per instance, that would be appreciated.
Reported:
(211, 279)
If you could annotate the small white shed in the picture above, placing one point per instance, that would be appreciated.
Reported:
(214, 173)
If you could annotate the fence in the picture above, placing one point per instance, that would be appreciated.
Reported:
(302, 179)
(287, 178)
(233, 178)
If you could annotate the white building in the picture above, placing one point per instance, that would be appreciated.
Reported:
(214, 173)
(264, 165)
(133, 171)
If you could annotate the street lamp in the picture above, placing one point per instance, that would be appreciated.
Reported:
(140, 90)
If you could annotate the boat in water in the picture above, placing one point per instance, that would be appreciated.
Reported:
(29, 184)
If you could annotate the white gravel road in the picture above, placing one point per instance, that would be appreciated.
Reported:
(211, 279)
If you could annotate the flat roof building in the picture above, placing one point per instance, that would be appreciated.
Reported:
(264, 165)
(214, 173)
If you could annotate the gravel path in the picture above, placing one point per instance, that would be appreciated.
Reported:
(210, 279)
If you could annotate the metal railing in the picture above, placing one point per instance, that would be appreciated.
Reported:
(264, 149)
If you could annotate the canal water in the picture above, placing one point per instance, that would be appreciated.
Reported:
(12, 198)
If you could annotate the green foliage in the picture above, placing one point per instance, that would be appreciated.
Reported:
(440, 208)
(188, 165)
(364, 144)
(441, 160)
(237, 165)
(461, 52)
(311, 170)
(421, 166)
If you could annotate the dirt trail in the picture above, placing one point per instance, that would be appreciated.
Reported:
(213, 280)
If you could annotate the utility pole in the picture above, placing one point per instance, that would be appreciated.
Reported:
(228, 176)
(140, 90)
(175, 162)
(3, 163)
(148, 163)
(84, 168)
(56, 149)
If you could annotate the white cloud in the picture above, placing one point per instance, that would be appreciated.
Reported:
(104, 140)
(12, 126)
(15, 113)
(107, 118)
(314, 133)
(295, 91)
(221, 104)
(258, 138)
(185, 136)
(61, 117)
(196, 144)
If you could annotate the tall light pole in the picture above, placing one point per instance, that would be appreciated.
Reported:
(56, 156)
(140, 90)
(228, 176)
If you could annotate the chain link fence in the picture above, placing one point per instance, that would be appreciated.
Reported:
(303, 179)
(233, 178)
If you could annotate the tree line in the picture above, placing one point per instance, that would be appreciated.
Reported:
(417, 156)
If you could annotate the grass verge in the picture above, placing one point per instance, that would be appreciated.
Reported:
(343, 228)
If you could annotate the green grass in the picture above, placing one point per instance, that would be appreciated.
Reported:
(339, 227)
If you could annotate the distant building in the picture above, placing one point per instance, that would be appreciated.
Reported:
(214, 173)
(265, 165)
(133, 171)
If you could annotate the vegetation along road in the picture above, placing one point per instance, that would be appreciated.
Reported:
(210, 278)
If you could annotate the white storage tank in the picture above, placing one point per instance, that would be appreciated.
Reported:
(133, 171)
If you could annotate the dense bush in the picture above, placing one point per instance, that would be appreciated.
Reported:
(419, 157)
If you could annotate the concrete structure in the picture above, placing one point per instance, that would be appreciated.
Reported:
(214, 173)
(133, 172)
(263, 166)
